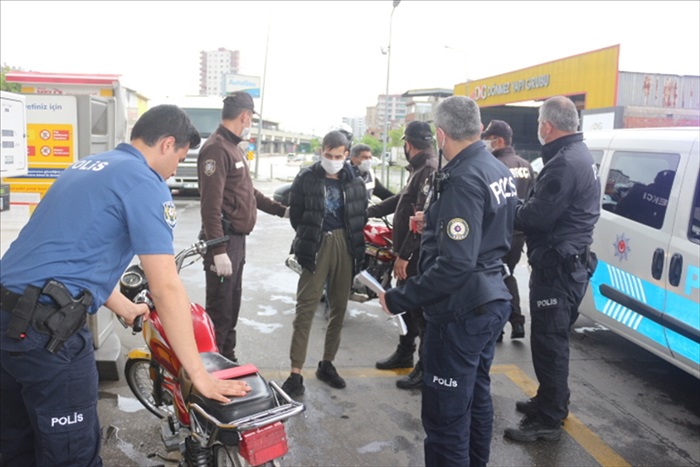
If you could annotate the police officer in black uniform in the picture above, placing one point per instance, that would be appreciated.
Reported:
(460, 286)
(558, 219)
(498, 138)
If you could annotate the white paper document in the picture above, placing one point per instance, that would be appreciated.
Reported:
(366, 279)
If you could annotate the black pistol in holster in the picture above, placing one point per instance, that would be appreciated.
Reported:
(69, 318)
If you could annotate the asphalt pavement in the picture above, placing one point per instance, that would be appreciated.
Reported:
(627, 406)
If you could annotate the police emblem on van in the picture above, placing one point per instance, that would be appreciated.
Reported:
(622, 246)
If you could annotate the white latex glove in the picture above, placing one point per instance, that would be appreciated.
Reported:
(286, 213)
(223, 266)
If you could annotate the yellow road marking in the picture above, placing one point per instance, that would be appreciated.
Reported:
(588, 440)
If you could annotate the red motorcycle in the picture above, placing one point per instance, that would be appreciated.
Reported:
(246, 431)
(379, 260)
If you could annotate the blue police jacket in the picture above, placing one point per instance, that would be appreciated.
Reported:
(468, 229)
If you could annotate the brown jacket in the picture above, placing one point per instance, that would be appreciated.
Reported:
(225, 187)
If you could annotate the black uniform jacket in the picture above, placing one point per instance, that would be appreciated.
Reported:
(307, 204)
(466, 233)
(407, 202)
(562, 209)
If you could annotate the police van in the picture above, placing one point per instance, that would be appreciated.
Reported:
(647, 283)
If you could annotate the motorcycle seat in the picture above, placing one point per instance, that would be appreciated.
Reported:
(259, 399)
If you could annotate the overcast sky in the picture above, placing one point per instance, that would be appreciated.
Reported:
(324, 60)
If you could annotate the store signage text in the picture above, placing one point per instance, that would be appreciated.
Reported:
(498, 89)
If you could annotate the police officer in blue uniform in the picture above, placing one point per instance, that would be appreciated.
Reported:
(557, 218)
(65, 264)
(468, 226)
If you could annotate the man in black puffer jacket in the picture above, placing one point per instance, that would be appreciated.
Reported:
(328, 211)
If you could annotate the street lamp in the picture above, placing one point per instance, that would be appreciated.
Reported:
(386, 96)
(466, 54)
(262, 102)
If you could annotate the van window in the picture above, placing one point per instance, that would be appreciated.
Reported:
(639, 184)
(694, 227)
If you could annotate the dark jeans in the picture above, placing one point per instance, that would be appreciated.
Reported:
(553, 311)
(511, 260)
(457, 410)
(223, 301)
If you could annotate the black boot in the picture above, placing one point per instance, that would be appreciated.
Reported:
(401, 358)
(413, 380)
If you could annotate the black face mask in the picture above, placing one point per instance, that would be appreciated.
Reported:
(405, 153)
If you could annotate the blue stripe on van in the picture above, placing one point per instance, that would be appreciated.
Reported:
(653, 296)
(687, 311)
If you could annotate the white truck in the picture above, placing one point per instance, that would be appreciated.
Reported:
(13, 155)
(205, 113)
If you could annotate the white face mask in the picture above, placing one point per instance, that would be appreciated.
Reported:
(489, 145)
(245, 133)
(365, 166)
(331, 167)
(540, 137)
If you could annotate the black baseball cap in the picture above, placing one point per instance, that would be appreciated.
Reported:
(418, 130)
(499, 128)
(241, 100)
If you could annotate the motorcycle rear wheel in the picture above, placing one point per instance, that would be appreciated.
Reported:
(225, 456)
(138, 376)
(228, 456)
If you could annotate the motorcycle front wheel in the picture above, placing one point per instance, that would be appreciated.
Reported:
(138, 375)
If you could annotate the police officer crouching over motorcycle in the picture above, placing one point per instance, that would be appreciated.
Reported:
(460, 286)
(64, 265)
(557, 218)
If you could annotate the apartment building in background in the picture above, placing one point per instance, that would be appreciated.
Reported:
(214, 65)
(358, 126)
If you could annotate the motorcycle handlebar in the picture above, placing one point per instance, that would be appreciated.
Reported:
(215, 242)
(137, 327)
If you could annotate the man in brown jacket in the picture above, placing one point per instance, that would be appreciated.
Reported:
(422, 164)
(498, 138)
(229, 204)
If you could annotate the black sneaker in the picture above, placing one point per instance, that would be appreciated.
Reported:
(294, 386)
(518, 331)
(531, 429)
(529, 407)
(328, 374)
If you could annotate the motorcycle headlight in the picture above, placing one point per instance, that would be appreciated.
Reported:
(132, 282)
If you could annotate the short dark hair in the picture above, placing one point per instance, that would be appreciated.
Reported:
(358, 148)
(166, 120)
(419, 143)
(231, 112)
(334, 139)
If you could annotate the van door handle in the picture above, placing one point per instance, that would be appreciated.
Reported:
(675, 270)
(657, 264)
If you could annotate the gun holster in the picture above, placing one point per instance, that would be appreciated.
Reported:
(68, 318)
(22, 308)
